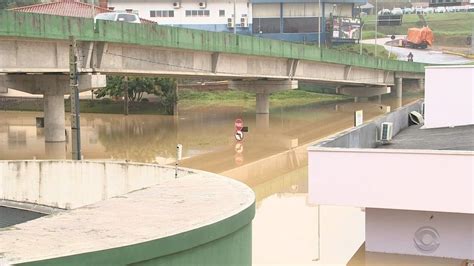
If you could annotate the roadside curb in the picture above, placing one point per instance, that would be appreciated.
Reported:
(468, 56)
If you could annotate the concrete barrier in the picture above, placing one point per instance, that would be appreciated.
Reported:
(72, 184)
(365, 136)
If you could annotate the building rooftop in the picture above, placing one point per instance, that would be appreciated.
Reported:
(68, 8)
(455, 138)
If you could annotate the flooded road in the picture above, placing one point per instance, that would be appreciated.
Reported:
(272, 159)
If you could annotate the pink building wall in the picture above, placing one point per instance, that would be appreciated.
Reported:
(449, 96)
(422, 180)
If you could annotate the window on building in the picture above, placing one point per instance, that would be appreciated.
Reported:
(300, 25)
(266, 25)
(197, 13)
(126, 17)
(162, 13)
(221, 13)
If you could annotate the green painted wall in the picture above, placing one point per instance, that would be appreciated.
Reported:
(234, 249)
(226, 242)
(17, 24)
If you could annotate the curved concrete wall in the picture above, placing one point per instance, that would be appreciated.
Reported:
(199, 218)
(69, 184)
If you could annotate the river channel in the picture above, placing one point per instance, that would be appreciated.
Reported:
(272, 159)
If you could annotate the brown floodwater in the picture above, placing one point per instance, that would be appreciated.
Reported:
(272, 159)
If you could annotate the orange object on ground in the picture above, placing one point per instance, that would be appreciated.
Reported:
(419, 36)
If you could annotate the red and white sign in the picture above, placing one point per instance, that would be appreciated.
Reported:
(239, 124)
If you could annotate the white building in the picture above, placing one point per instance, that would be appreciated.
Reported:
(291, 20)
(212, 15)
(418, 192)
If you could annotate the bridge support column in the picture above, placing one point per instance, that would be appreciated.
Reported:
(53, 87)
(399, 87)
(421, 84)
(55, 150)
(263, 103)
(54, 123)
(262, 122)
(263, 89)
(362, 93)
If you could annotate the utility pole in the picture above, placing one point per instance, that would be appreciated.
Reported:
(74, 93)
(93, 8)
(235, 19)
(376, 24)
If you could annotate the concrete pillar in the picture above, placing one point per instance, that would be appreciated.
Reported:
(399, 87)
(54, 123)
(263, 103)
(262, 122)
(55, 150)
(379, 98)
(356, 99)
(421, 84)
(263, 89)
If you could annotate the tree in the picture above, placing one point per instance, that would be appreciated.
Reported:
(7, 4)
(164, 88)
(168, 93)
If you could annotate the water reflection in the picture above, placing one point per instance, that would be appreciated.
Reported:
(272, 159)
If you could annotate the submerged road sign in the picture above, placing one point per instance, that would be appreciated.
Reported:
(239, 135)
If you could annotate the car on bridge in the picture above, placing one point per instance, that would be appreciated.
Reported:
(115, 16)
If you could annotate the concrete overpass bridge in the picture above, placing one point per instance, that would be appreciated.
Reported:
(34, 58)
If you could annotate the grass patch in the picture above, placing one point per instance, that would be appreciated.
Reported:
(87, 106)
(232, 98)
(449, 28)
(371, 35)
(367, 49)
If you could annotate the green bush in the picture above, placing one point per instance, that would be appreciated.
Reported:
(106, 100)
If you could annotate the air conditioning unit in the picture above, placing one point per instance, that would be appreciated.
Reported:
(230, 22)
(202, 5)
(415, 118)
(244, 23)
(176, 5)
(386, 132)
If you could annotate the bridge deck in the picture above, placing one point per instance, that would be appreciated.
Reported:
(15, 24)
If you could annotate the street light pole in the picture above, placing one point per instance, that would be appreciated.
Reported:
(472, 38)
(235, 20)
(319, 25)
(360, 38)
